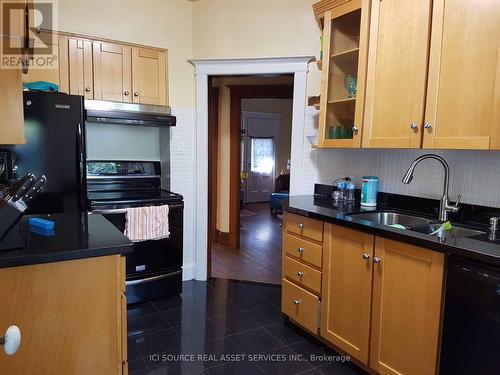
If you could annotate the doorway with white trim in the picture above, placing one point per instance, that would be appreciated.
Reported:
(197, 265)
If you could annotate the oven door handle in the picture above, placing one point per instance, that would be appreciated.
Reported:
(152, 278)
(113, 211)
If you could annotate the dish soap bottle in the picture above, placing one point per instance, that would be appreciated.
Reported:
(350, 190)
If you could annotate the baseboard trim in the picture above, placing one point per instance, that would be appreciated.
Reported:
(188, 272)
(226, 238)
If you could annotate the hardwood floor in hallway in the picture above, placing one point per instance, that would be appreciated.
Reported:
(259, 256)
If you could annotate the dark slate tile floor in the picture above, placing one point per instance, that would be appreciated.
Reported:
(223, 327)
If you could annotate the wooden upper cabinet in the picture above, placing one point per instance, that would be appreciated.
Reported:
(407, 288)
(345, 36)
(112, 72)
(463, 99)
(397, 73)
(149, 76)
(17, 19)
(81, 81)
(347, 290)
(45, 40)
(11, 107)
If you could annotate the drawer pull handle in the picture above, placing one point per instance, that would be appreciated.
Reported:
(296, 302)
(300, 250)
(376, 260)
(301, 226)
(300, 274)
(366, 256)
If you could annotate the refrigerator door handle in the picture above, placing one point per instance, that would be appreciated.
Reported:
(81, 159)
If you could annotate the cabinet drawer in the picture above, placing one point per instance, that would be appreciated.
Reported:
(304, 250)
(300, 305)
(302, 274)
(304, 226)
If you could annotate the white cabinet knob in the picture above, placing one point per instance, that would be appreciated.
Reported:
(12, 340)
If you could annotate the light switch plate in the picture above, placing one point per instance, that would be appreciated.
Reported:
(180, 147)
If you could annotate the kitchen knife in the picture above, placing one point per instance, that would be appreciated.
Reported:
(22, 187)
(34, 190)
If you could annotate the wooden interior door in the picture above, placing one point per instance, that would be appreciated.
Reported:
(347, 289)
(112, 72)
(397, 73)
(407, 287)
(81, 80)
(463, 97)
(149, 76)
(69, 314)
(259, 154)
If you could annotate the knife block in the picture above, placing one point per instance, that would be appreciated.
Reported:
(10, 213)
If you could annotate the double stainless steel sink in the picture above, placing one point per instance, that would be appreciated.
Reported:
(415, 223)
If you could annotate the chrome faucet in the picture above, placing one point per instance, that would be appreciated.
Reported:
(444, 206)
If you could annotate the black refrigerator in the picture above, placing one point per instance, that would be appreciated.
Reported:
(55, 147)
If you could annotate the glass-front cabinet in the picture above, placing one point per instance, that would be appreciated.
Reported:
(345, 42)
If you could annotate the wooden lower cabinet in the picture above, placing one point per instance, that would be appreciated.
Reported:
(407, 294)
(303, 250)
(306, 227)
(347, 290)
(72, 317)
(379, 299)
(302, 274)
(300, 305)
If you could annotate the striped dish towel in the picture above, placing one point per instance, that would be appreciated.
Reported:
(147, 223)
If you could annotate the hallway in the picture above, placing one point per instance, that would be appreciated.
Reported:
(259, 256)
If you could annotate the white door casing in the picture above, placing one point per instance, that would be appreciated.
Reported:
(296, 65)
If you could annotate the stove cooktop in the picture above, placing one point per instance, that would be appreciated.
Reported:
(132, 198)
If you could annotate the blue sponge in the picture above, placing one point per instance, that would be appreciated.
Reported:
(41, 223)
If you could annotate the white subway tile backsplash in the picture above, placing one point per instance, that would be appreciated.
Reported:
(183, 180)
(474, 174)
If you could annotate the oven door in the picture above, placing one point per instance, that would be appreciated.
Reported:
(154, 268)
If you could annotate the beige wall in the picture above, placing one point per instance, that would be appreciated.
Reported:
(257, 28)
(284, 139)
(159, 23)
(223, 182)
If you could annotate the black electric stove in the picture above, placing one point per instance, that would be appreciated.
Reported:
(154, 268)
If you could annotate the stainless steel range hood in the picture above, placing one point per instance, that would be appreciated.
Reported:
(128, 113)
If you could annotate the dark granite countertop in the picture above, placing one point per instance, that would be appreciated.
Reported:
(479, 248)
(75, 236)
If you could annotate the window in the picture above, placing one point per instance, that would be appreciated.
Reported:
(262, 155)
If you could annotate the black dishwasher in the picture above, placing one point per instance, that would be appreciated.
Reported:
(471, 326)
